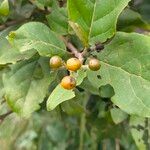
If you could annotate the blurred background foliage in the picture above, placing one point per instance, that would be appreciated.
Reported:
(92, 124)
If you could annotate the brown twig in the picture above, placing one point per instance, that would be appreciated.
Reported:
(2, 117)
(11, 23)
(73, 49)
(3, 101)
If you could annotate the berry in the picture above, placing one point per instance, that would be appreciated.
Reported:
(94, 64)
(55, 62)
(73, 64)
(68, 82)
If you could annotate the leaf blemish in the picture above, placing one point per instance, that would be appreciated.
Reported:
(99, 77)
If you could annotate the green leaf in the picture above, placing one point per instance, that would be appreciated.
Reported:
(88, 86)
(94, 20)
(125, 66)
(9, 54)
(74, 106)
(1, 86)
(23, 90)
(26, 10)
(4, 7)
(79, 76)
(35, 35)
(118, 115)
(140, 129)
(58, 96)
(58, 21)
(41, 4)
(144, 10)
(129, 20)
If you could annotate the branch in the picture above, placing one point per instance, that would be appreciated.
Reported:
(73, 49)
(2, 100)
(2, 117)
(11, 23)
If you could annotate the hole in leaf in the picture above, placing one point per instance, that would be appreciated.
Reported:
(99, 77)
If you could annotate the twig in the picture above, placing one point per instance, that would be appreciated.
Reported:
(3, 101)
(117, 144)
(2, 117)
(11, 23)
(73, 49)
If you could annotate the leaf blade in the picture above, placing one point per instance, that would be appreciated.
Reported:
(35, 35)
(24, 88)
(125, 66)
(58, 96)
(97, 20)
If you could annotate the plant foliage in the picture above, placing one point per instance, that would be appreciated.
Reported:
(109, 108)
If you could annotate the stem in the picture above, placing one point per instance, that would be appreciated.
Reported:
(82, 129)
(2, 117)
(2, 102)
(11, 23)
(73, 49)
(117, 144)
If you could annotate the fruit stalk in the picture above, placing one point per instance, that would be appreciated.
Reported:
(73, 49)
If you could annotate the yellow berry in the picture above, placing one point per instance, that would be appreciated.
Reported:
(68, 82)
(94, 64)
(73, 64)
(55, 62)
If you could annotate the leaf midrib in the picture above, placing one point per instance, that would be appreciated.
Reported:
(119, 68)
(130, 84)
(39, 40)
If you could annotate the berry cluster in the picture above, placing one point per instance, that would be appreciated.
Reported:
(72, 64)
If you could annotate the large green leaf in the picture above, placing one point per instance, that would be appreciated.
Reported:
(95, 20)
(58, 20)
(26, 85)
(58, 96)
(35, 35)
(126, 67)
(8, 54)
(140, 130)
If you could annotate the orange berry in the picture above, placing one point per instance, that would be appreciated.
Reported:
(94, 64)
(73, 64)
(68, 82)
(55, 62)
